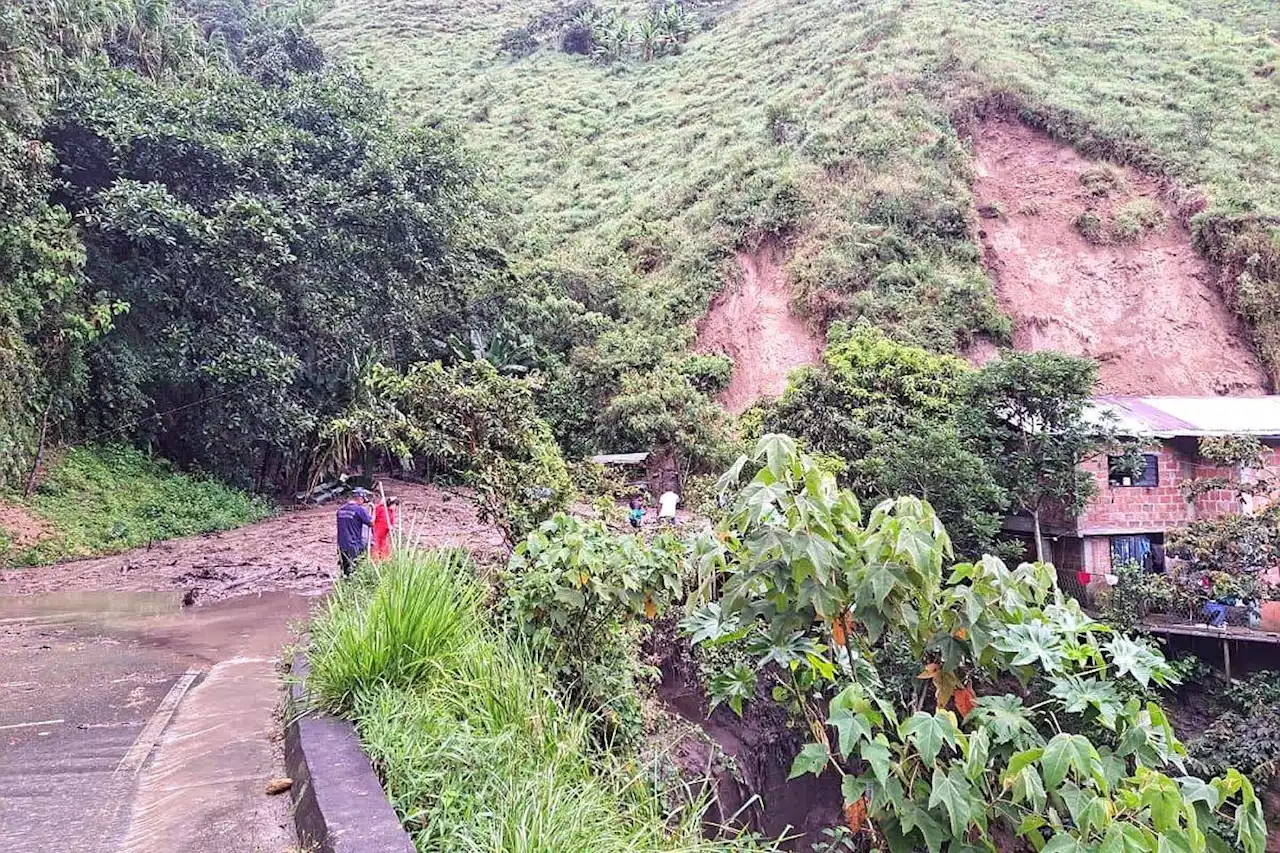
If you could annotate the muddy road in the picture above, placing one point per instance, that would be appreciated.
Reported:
(295, 551)
(140, 693)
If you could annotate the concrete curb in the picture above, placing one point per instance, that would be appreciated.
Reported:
(339, 804)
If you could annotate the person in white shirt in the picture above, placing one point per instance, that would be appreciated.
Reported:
(667, 507)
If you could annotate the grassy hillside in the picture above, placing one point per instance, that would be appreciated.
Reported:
(107, 499)
(839, 125)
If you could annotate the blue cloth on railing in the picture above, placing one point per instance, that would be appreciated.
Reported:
(1215, 613)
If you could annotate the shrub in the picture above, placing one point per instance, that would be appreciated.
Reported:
(1258, 688)
(1091, 227)
(1249, 742)
(710, 374)
(467, 418)
(1102, 181)
(1134, 219)
(578, 591)
(518, 42)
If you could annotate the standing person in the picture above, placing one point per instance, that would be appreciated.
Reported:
(635, 515)
(354, 521)
(384, 519)
(667, 507)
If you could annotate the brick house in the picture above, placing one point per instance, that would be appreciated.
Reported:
(1128, 518)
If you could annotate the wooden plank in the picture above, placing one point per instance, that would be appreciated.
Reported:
(1245, 635)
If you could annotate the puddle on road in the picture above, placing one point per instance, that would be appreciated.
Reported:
(79, 605)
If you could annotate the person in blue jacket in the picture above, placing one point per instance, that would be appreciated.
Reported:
(354, 521)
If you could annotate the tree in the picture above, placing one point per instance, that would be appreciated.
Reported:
(661, 408)
(1026, 411)
(889, 410)
(812, 588)
(468, 419)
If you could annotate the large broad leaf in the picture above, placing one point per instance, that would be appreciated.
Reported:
(951, 791)
(1141, 661)
(852, 728)
(915, 818)
(709, 624)
(975, 762)
(929, 732)
(1027, 788)
(1031, 643)
(812, 759)
(1065, 752)
(1251, 828)
(734, 686)
(1063, 843)
(1080, 694)
(1127, 838)
(1006, 719)
(876, 753)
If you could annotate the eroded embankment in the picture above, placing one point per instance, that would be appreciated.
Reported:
(752, 323)
(1091, 260)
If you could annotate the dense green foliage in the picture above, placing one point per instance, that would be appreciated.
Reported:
(468, 418)
(253, 219)
(890, 412)
(1026, 411)
(103, 499)
(814, 587)
(475, 751)
(579, 592)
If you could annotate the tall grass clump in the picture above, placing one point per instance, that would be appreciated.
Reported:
(474, 750)
(393, 624)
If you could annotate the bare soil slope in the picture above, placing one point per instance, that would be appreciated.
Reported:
(753, 324)
(295, 551)
(1148, 310)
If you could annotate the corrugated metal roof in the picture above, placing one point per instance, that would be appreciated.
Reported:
(620, 458)
(1167, 417)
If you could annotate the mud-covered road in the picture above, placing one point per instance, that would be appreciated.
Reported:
(140, 693)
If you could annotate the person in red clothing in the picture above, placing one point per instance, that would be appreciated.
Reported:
(384, 519)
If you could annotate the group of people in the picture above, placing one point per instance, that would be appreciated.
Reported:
(667, 503)
(362, 529)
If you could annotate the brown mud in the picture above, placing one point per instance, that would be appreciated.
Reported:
(761, 746)
(22, 529)
(752, 323)
(295, 551)
(1147, 311)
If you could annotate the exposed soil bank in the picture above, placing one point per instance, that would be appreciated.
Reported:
(762, 746)
(295, 551)
(1148, 311)
(752, 323)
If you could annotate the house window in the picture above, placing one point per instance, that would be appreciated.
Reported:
(1145, 550)
(1142, 470)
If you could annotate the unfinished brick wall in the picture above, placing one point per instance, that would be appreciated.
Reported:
(1140, 509)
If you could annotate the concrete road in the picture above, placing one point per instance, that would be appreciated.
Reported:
(131, 725)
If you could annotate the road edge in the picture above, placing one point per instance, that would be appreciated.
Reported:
(338, 802)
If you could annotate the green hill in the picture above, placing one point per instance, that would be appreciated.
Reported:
(840, 125)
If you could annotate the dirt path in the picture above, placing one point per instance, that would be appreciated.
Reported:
(139, 693)
(753, 324)
(1147, 311)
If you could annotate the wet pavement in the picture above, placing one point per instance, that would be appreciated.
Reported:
(129, 723)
